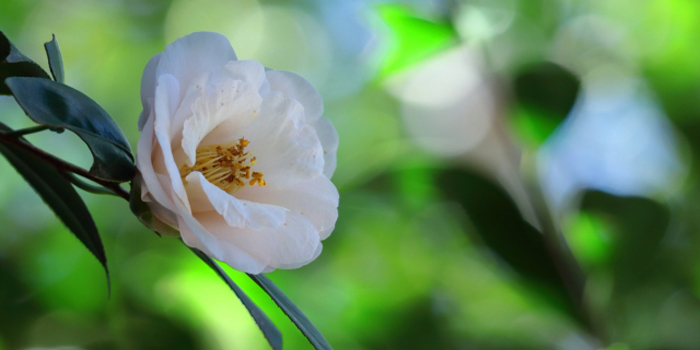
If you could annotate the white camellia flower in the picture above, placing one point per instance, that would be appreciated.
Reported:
(236, 156)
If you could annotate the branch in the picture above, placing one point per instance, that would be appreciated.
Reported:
(61, 164)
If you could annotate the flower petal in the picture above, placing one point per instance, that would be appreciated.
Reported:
(165, 93)
(150, 184)
(148, 89)
(237, 213)
(194, 55)
(298, 88)
(329, 140)
(294, 265)
(252, 72)
(223, 99)
(292, 244)
(316, 200)
(195, 235)
(287, 150)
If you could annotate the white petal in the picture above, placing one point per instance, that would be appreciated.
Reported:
(167, 87)
(150, 184)
(194, 55)
(223, 99)
(293, 243)
(327, 232)
(298, 88)
(148, 89)
(184, 109)
(316, 200)
(237, 213)
(195, 235)
(287, 150)
(329, 140)
(313, 257)
(252, 72)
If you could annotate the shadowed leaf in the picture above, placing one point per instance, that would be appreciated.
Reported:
(548, 87)
(58, 193)
(55, 60)
(546, 93)
(14, 64)
(54, 104)
(271, 333)
(293, 312)
(640, 225)
(501, 228)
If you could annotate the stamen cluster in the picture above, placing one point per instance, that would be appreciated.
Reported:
(227, 168)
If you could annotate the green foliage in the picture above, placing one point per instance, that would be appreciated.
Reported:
(399, 271)
(503, 230)
(546, 93)
(293, 312)
(55, 60)
(14, 64)
(414, 38)
(144, 214)
(639, 225)
(272, 334)
(58, 193)
(51, 103)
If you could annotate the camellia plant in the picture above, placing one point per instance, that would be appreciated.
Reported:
(233, 158)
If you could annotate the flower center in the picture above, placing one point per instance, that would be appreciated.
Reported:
(227, 168)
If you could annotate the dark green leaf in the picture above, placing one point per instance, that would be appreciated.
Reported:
(640, 226)
(546, 93)
(14, 64)
(501, 228)
(144, 214)
(51, 103)
(548, 87)
(293, 312)
(55, 60)
(271, 333)
(5, 46)
(58, 193)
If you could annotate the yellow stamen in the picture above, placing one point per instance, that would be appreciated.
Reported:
(225, 167)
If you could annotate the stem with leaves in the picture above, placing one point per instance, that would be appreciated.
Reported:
(570, 271)
(108, 187)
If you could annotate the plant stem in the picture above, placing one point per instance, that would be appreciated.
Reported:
(60, 164)
(570, 271)
(87, 186)
(30, 130)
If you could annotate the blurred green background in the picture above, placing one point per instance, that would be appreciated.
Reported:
(457, 120)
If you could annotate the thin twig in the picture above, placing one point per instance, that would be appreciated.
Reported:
(87, 186)
(569, 269)
(63, 165)
(27, 131)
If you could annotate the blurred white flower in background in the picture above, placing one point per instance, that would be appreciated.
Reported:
(452, 108)
(236, 157)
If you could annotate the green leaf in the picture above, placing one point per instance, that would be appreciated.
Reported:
(548, 87)
(55, 60)
(144, 214)
(500, 227)
(293, 312)
(271, 333)
(14, 64)
(546, 93)
(639, 226)
(58, 193)
(57, 105)
(413, 38)
(5, 46)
